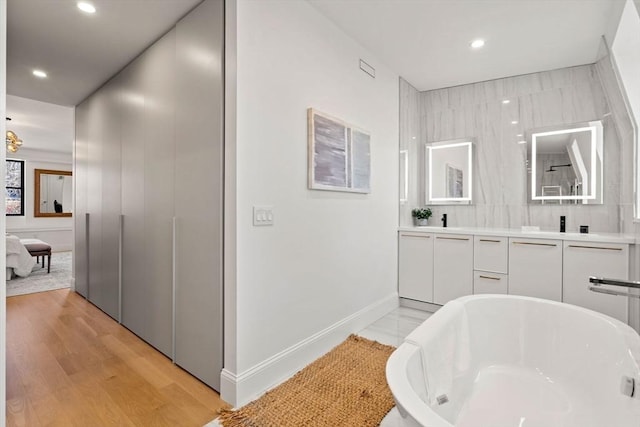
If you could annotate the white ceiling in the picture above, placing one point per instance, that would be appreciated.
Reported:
(41, 125)
(427, 41)
(80, 51)
(424, 41)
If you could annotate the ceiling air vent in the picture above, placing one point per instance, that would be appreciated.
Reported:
(367, 69)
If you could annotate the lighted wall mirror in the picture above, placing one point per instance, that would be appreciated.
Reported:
(449, 172)
(404, 176)
(53, 193)
(566, 164)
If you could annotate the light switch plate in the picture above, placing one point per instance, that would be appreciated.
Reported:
(262, 215)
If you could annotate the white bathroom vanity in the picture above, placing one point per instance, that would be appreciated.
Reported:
(437, 265)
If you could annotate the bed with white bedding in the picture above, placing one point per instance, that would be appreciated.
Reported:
(19, 261)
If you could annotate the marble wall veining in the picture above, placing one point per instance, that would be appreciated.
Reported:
(625, 130)
(538, 100)
(410, 143)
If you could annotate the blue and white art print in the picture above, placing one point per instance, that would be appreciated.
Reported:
(339, 155)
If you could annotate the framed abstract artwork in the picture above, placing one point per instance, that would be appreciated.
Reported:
(339, 155)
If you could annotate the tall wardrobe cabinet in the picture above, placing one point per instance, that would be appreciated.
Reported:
(97, 177)
(148, 169)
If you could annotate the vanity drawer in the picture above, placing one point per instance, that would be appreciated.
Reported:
(490, 283)
(491, 253)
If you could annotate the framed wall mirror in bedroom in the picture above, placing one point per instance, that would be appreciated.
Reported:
(52, 193)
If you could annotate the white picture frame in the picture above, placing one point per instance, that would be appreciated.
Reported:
(339, 155)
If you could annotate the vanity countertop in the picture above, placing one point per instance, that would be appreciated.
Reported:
(514, 232)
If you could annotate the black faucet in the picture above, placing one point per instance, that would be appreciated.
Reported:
(444, 220)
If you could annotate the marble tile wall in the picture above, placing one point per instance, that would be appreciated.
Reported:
(410, 142)
(537, 100)
(625, 131)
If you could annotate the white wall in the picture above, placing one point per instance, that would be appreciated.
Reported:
(55, 231)
(3, 260)
(330, 258)
(626, 51)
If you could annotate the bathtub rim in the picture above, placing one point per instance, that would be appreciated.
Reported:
(421, 412)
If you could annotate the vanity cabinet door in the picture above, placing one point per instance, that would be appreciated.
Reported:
(584, 259)
(535, 268)
(452, 267)
(415, 266)
(490, 253)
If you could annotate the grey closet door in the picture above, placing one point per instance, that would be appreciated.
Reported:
(110, 251)
(198, 196)
(80, 249)
(159, 154)
(94, 199)
(134, 293)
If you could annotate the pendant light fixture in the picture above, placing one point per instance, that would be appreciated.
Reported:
(12, 140)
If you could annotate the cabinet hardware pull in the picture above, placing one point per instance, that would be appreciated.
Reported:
(534, 244)
(87, 237)
(120, 242)
(489, 277)
(595, 247)
(453, 238)
(491, 241)
(426, 236)
(174, 233)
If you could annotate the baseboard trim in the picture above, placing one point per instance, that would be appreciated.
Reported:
(239, 389)
(419, 305)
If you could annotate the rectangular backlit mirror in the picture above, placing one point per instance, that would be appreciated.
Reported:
(449, 172)
(566, 164)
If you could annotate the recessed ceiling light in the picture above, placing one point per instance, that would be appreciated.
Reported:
(39, 73)
(519, 135)
(505, 101)
(86, 7)
(514, 122)
(522, 142)
(477, 43)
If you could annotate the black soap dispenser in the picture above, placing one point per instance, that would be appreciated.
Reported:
(444, 220)
(563, 224)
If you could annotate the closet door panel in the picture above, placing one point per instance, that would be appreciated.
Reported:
(80, 249)
(134, 310)
(94, 199)
(111, 200)
(198, 196)
(159, 89)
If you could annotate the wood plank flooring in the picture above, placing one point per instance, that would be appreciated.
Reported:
(69, 364)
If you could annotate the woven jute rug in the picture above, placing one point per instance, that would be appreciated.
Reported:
(345, 387)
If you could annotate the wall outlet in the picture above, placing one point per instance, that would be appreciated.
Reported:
(262, 215)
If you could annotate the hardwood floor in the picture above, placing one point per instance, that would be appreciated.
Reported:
(69, 364)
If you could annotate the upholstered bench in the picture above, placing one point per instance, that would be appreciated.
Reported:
(38, 248)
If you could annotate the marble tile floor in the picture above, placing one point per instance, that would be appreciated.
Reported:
(395, 326)
(391, 330)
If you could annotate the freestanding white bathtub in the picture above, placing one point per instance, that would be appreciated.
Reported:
(507, 361)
